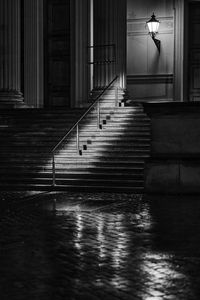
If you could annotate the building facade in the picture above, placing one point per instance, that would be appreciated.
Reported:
(55, 52)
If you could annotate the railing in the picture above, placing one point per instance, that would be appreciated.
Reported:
(103, 54)
(76, 126)
(102, 60)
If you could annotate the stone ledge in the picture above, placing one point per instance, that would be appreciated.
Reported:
(171, 177)
(153, 108)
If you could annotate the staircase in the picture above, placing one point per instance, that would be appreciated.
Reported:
(111, 158)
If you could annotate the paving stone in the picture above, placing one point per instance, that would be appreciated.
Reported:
(84, 248)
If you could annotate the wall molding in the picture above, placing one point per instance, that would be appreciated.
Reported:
(149, 79)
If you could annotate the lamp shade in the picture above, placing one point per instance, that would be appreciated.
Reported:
(153, 24)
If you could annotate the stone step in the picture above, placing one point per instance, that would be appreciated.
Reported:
(71, 152)
(90, 127)
(73, 157)
(74, 181)
(119, 113)
(90, 121)
(41, 111)
(114, 157)
(71, 187)
(72, 175)
(71, 112)
(93, 152)
(83, 136)
(74, 163)
(96, 146)
(109, 130)
(100, 141)
(96, 169)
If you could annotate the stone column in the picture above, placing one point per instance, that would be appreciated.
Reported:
(33, 53)
(10, 53)
(79, 52)
(179, 64)
(110, 29)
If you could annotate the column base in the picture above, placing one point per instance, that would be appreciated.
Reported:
(11, 99)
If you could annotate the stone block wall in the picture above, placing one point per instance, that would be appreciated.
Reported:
(174, 166)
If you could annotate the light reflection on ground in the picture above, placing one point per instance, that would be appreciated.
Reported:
(101, 246)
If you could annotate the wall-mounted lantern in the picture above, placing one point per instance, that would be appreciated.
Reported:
(153, 25)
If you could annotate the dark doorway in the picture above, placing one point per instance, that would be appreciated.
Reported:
(194, 51)
(57, 53)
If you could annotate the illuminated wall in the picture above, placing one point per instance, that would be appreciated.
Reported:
(150, 75)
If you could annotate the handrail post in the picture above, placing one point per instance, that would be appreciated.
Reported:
(98, 114)
(116, 96)
(53, 170)
(76, 125)
(77, 138)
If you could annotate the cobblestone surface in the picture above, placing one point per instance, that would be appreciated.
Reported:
(100, 246)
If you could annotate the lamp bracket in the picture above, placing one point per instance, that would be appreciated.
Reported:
(156, 41)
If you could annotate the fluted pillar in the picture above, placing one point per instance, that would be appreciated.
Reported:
(110, 30)
(10, 52)
(179, 64)
(33, 53)
(79, 53)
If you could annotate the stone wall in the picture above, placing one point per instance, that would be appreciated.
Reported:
(174, 166)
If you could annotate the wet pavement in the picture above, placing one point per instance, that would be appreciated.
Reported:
(99, 246)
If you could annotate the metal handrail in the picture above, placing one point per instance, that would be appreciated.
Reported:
(104, 60)
(76, 125)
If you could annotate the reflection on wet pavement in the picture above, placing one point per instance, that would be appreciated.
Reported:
(101, 246)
